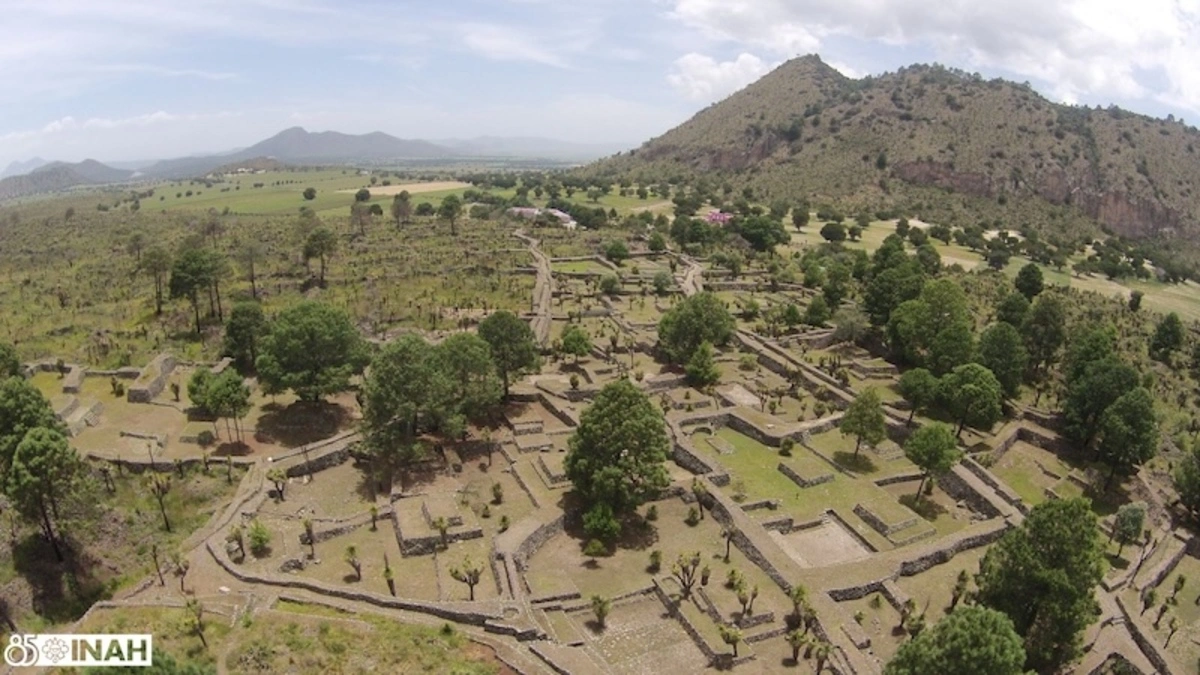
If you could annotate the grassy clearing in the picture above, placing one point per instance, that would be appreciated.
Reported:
(301, 638)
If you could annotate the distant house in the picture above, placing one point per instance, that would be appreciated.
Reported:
(530, 213)
(718, 217)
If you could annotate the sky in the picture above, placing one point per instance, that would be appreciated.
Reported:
(123, 80)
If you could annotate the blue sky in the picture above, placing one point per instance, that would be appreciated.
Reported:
(140, 79)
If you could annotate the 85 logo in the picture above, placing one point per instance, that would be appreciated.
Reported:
(21, 650)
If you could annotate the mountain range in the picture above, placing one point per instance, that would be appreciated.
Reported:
(291, 146)
(938, 141)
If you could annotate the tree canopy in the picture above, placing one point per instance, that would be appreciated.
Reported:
(1029, 281)
(1042, 575)
(22, 407)
(933, 449)
(864, 420)
(312, 349)
(1002, 351)
(701, 369)
(245, 329)
(973, 395)
(699, 318)
(10, 363)
(617, 453)
(514, 348)
(576, 341)
(1167, 338)
(969, 640)
(935, 330)
(1129, 432)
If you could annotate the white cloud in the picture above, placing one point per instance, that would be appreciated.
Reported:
(501, 43)
(1100, 49)
(849, 71)
(703, 78)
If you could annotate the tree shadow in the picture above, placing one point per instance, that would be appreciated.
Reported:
(62, 592)
(860, 464)
(1116, 561)
(232, 449)
(300, 423)
(924, 507)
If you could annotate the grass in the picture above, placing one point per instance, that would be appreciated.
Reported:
(302, 638)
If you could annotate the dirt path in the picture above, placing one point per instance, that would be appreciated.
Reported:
(692, 282)
(543, 290)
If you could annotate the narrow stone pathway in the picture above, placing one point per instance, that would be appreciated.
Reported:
(543, 290)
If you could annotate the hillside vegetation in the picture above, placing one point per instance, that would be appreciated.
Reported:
(940, 143)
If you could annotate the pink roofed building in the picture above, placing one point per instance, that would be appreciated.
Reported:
(718, 217)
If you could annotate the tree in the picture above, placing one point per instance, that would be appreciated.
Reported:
(1029, 281)
(157, 263)
(833, 232)
(363, 195)
(191, 273)
(351, 557)
(796, 639)
(1013, 309)
(920, 388)
(1093, 386)
(513, 345)
(43, 471)
(1168, 337)
(1128, 524)
(684, 570)
(259, 537)
(312, 349)
(657, 243)
(662, 282)
(1002, 351)
(891, 286)
(817, 312)
(701, 370)
(850, 325)
(405, 392)
(1186, 479)
(616, 251)
(864, 420)
(1045, 331)
(968, 640)
(762, 232)
(972, 395)
(22, 408)
(469, 573)
(321, 244)
(934, 450)
(935, 329)
(576, 341)
(228, 397)
(610, 285)
(617, 452)
(1128, 432)
(1043, 576)
(697, 319)
(309, 194)
(465, 359)
(450, 210)
(601, 606)
(1135, 301)
(730, 635)
(402, 207)
(10, 363)
(245, 329)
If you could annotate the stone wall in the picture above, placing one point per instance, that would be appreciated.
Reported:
(152, 380)
(339, 527)
(537, 539)
(947, 550)
(665, 598)
(991, 481)
(961, 490)
(1144, 639)
(879, 525)
(428, 544)
(801, 480)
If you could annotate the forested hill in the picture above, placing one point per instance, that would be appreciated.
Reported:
(806, 131)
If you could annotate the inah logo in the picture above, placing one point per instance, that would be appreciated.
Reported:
(79, 650)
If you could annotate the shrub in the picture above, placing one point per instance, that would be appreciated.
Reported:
(693, 517)
(652, 513)
(785, 447)
(260, 538)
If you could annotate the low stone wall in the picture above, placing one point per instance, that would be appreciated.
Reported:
(857, 636)
(428, 544)
(220, 366)
(474, 614)
(1164, 568)
(991, 481)
(948, 550)
(771, 504)
(345, 526)
(961, 490)
(152, 379)
(665, 598)
(319, 461)
(900, 478)
(879, 525)
(537, 539)
(1144, 639)
(801, 480)
(833, 514)
(855, 592)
